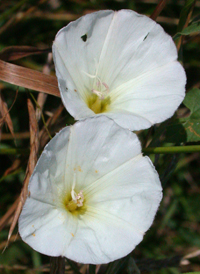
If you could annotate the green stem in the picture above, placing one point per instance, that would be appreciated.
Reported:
(171, 150)
(148, 150)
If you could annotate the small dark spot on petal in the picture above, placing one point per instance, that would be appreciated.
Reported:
(75, 90)
(66, 88)
(146, 36)
(84, 37)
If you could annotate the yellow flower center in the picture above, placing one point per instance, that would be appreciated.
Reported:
(98, 105)
(76, 200)
(98, 99)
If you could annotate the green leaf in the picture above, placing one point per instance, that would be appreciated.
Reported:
(184, 14)
(193, 28)
(192, 100)
(192, 123)
(186, 129)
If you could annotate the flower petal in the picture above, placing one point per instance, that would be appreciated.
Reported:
(153, 96)
(98, 149)
(47, 229)
(132, 193)
(128, 119)
(135, 45)
(102, 238)
(132, 55)
(121, 191)
(74, 57)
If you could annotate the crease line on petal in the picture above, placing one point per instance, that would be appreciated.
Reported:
(91, 212)
(138, 78)
(94, 186)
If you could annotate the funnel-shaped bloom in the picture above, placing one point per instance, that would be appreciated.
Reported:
(119, 64)
(92, 195)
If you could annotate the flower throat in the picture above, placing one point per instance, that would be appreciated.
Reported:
(98, 100)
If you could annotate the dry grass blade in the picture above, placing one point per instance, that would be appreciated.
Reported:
(17, 52)
(44, 137)
(7, 24)
(42, 96)
(56, 114)
(185, 259)
(5, 219)
(13, 238)
(34, 147)
(5, 116)
(158, 9)
(41, 99)
(20, 135)
(28, 78)
(13, 167)
(62, 16)
(34, 137)
(14, 268)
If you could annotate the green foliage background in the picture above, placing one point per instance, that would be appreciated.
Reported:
(175, 232)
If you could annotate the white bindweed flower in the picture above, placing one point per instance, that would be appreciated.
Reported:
(119, 64)
(92, 195)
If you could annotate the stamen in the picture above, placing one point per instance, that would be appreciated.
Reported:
(101, 89)
(99, 94)
(80, 198)
(106, 86)
(77, 199)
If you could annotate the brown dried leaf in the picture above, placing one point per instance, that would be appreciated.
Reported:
(17, 52)
(5, 116)
(28, 78)
(34, 147)
(158, 9)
